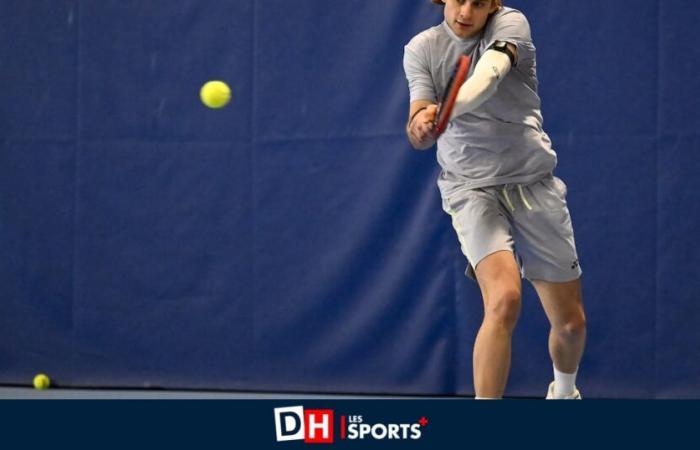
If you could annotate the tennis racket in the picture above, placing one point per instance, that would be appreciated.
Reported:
(447, 102)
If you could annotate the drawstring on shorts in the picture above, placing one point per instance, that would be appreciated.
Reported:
(522, 197)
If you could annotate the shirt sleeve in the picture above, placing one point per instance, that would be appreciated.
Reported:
(512, 26)
(416, 64)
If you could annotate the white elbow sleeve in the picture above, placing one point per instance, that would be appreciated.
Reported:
(488, 73)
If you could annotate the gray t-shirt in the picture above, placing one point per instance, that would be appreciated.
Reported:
(502, 141)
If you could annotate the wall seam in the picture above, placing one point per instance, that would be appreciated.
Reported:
(658, 195)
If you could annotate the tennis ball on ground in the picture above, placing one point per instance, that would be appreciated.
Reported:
(42, 381)
(215, 94)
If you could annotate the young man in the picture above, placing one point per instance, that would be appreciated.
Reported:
(497, 183)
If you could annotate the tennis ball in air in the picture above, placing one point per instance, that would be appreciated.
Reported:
(215, 94)
(42, 381)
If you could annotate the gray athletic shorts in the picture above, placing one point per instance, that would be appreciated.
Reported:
(532, 221)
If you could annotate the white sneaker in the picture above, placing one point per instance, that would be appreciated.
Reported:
(576, 395)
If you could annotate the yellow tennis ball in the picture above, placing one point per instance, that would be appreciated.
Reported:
(42, 381)
(215, 94)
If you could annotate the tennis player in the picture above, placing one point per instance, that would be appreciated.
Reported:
(497, 183)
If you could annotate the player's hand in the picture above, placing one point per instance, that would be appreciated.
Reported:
(422, 127)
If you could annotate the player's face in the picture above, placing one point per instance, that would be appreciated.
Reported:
(468, 17)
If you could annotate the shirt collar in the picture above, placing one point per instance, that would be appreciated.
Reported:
(456, 38)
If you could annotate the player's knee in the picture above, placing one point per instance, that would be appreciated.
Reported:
(504, 308)
(573, 329)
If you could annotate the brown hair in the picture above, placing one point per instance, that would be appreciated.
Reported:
(499, 3)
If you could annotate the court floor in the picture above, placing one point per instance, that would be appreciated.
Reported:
(26, 393)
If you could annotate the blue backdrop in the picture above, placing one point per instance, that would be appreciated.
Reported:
(292, 241)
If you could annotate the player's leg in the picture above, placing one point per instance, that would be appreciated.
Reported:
(544, 238)
(563, 304)
(499, 280)
(482, 225)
